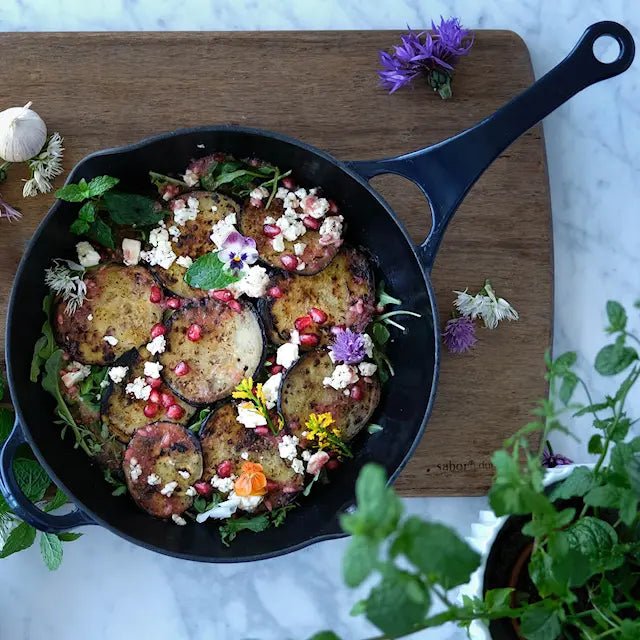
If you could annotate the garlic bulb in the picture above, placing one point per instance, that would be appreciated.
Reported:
(22, 133)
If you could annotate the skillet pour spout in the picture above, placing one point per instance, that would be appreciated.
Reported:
(444, 172)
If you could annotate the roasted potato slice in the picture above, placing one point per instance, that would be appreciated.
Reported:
(224, 438)
(123, 414)
(159, 455)
(303, 393)
(315, 255)
(344, 291)
(117, 305)
(229, 350)
(194, 240)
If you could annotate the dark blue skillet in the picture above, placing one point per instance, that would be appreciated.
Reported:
(445, 172)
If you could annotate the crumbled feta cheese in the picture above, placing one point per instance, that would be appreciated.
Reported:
(184, 261)
(291, 229)
(139, 389)
(288, 447)
(157, 345)
(343, 375)
(306, 454)
(153, 479)
(190, 178)
(87, 255)
(269, 220)
(152, 369)
(259, 193)
(298, 466)
(131, 251)
(300, 193)
(221, 511)
(246, 503)
(314, 206)
(290, 201)
(314, 191)
(117, 374)
(220, 231)
(249, 416)
(183, 473)
(135, 470)
(161, 252)
(191, 492)
(301, 266)
(331, 230)
(231, 218)
(244, 455)
(253, 283)
(368, 345)
(112, 340)
(90, 317)
(179, 520)
(270, 389)
(75, 372)
(278, 243)
(299, 247)
(223, 485)
(174, 232)
(169, 488)
(367, 369)
(316, 462)
(200, 146)
(184, 212)
(287, 354)
(281, 193)
(295, 337)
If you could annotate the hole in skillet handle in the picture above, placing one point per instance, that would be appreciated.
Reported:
(595, 49)
(607, 49)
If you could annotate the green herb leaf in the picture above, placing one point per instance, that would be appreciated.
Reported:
(86, 216)
(496, 600)
(120, 490)
(595, 445)
(564, 362)
(101, 184)
(324, 635)
(568, 386)
(209, 272)
(540, 623)
(68, 536)
(604, 496)
(632, 467)
(374, 428)
(58, 500)
(99, 231)
(74, 192)
(547, 523)
(617, 317)
(46, 344)
(20, 538)
(202, 416)
(279, 515)
(380, 333)
(577, 484)
(51, 549)
(132, 209)
(32, 478)
(628, 506)
(161, 181)
(6, 423)
(230, 529)
(614, 359)
(359, 560)
(591, 537)
(383, 297)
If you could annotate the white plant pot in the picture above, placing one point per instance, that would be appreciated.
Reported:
(483, 535)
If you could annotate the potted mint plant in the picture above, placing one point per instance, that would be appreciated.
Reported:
(560, 550)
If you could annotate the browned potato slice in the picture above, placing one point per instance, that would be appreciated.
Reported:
(159, 454)
(230, 349)
(123, 414)
(303, 393)
(315, 256)
(344, 291)
(194, 240)
(117, 305)
(224, 438)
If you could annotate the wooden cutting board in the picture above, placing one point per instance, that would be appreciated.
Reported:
(108, 89)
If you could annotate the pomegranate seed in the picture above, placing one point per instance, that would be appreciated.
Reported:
(332, 464)
(309, 340)
(194, 332)
(234, 305)
(303, 322)
(182, 368)
(224, 469)
(274, 292)
(262, 430)
(289, 183)
(150, 409)
(167, 400)
(173, 303)
(175, 412)
(277, 368)
(311, 223)
(223, 295)
(318, 315)
(333, 207)
(203, 488)
(271, 230)
(156, 294)
(272, 486)
(158, 329)
(155, 396)
(154, 383)
(289, 262)
(356, 393)
(256, 202)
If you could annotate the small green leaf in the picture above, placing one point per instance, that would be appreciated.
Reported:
(498, 599)
(68, 536)
(591, 537)
(614, 359)
(564, 362)
(120, 490)
(384, 298)
(632, 467)
(380, 333)
(630, 629)
(99, 231)
(209, 272)
(6, 423)
(58, 500)
(20, 538)
(230, 529)
(374, 428)
(540, 623)
(324, 635)
(132, 209)
(101, 184)
(577, 484)
(568, 386)
(603, 496)
(74, 192)
(617, 317)
(359, 560)
(546, 523)
(359, 608)
(32, 478)
(51, 549)
(595, 444)
(628, 507)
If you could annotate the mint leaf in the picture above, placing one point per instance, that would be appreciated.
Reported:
(398, 603)
(564, 362)
(498, 599)
(628, 507)
(568, 386)
(540, 623)
(100, 232)
(591, 537)
(20, 538)
(51, 550)
(359, 560)
(614, 359)
(132, 209)
(58, 500)
(101, 184)
(209, 272)
(632, 467)
(546, 523)
(604, 496)
(380, 333)
(6, 423)
(74, 192)
(68, 536)
(32, 478)
(595, 445)
(617, 317)
(577, 484)
(46, 344)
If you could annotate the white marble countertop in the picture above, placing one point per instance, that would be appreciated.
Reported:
(108, 589)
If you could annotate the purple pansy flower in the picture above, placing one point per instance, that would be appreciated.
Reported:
(238, 251)
(8, 212)
(459, 335)
(348, 346)
(552, 460)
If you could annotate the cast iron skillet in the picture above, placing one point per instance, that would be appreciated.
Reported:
(444, 172)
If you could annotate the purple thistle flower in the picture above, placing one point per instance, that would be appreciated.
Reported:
(348, 347)
(459, 335)
(451, 40)
(550, 460)
(238, 251)
(8, 212)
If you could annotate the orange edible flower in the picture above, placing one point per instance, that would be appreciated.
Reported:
(252, 481)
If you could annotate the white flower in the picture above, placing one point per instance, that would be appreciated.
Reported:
(469, 306)
(44, 167)
(66, 279)
(221, 511)
(249, 416)
(486, 305)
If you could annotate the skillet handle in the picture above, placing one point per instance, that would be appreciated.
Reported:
(446, 171)
(20, 504)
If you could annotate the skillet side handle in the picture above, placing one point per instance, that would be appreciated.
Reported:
(20, 504)
(446, 171)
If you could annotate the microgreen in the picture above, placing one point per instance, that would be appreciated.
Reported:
(230, 529)
(202, 416)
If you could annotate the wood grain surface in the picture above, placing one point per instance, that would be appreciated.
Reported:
(107, 89)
